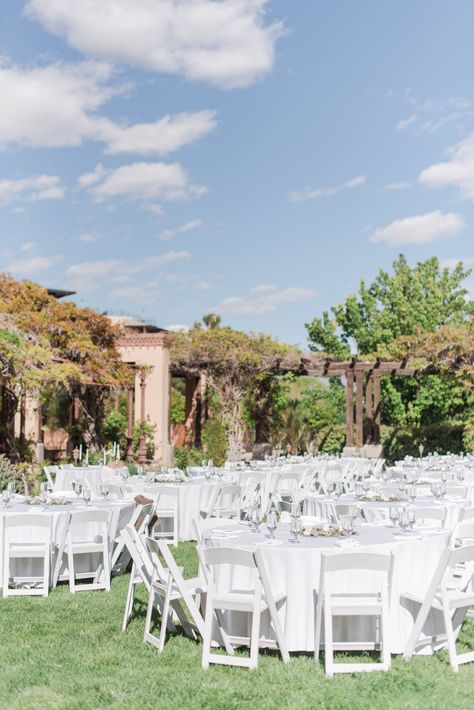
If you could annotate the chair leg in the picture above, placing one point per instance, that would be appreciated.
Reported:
(129, 601)
(46, 571)
(317, 627)
(206, 639)
(6, 571)
(148, 636)
(70, 565)
(328, 647)
(106, 560)
(254, 638)
(165, 614)
(451, 642)
(386, 656)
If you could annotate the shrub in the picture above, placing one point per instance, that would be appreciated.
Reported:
(214, 441)
(187, 457)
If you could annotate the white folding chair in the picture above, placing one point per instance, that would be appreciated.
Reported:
(49, 471)
(357, 602)
(254, 600)
(169, 586)
(288, 484)
(432, 516)
(466, 515)
(39, 528)
(225, 503)
(141, 511)
(80, 542)
(450, 596)
(200, 526)
(115, 492)
(167, 512)
(142, 567)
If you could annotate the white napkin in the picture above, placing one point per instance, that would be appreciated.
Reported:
(347, 543)
(269, 542)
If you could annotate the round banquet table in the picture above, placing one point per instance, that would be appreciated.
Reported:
(193, 496)
(121, 513)
(92, 476)
(294, 568)
(314, 504)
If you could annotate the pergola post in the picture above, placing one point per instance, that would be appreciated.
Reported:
(350, 408)
(369, 411)
(130, 397)
(142, 449)
(359, 377)
(191, 410)
(377, 410)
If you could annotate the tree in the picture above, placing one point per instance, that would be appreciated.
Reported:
(382, 318)
(47, 343)
(233, 361)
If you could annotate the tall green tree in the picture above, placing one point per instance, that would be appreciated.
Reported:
(407, 302)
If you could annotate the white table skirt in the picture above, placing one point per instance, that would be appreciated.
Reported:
(294, 569)
(315, 505)
(193, 496)
(121, 512)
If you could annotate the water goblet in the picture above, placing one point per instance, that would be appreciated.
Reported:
(86, 494)
(256, 519)
(6, 497)
(393, 514)
(295, 528)
(412, 492)
(411, 518)
(461, 475)
(295, 510)
(272, 523)
(359, 491)
(12, 487)
(338, 490)
(43, 496)
(346, 524)
(78, 489)
(403, 519)
(104, 490)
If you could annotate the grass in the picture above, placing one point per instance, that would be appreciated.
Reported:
(68, 652)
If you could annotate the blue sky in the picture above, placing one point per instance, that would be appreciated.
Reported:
(253, 158)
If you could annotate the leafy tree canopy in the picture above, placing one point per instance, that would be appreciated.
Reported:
(409, 301)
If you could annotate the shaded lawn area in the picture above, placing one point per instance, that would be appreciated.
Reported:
(69, 652)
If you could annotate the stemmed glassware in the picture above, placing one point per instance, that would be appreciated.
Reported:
(12, 487)
(6, 495)
(403, 519)
(346, 524)
(393, 514)
(104, 490)
(256, 518)
(354, 513)
(86, 494)
(338, 490)
(78, 489)
(272, 523)
(412, 493)
(295, 528)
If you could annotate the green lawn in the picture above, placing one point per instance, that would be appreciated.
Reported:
(69, 652)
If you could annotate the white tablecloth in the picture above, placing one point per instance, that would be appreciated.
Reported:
(121, 512)
(313, 504)
(294, 569)
(193, 495)
(92, 476)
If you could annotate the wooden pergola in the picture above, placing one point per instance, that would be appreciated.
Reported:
(365, 409)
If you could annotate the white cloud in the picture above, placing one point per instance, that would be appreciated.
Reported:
(457, 171)
(140, 182)
(57, 105)
(420, 229)
(89, 275)
(33, 265)
(454, 261)
(226, 43)
(88, 238)
(402, 185)
(256, 305)
(406, 122)
(263, 288)
(311, 194)
(143, 295)
(167, 234)
(32, 189)
(164, 136)
(28, 246)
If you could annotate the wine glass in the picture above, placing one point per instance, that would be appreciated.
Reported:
(272, 523)
(78, 489)
(461, 475)
(295, 528)
(256, 518)
(346, 524)
(403, 519)
(43, 496)
(104, 490)
(393, 514)
(338, 490)
(86, 494)
(354, 511)
(359, 491)
(411, 517)
(12, 487)
(412, 492)
(330, 488)
(295, 510)
(6, 495)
